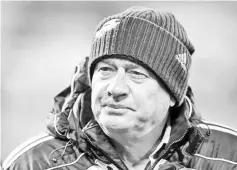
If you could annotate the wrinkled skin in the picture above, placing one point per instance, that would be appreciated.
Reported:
(127, 98)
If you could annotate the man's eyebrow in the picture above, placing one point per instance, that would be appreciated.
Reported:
(102, 62)
(105, 62)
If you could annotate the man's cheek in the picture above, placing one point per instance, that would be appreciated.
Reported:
(96, 110)
(95, 94)
(95, 103)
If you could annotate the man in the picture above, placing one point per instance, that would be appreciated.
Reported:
(135, 111)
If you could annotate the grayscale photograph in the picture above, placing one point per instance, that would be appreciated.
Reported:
(118, 85)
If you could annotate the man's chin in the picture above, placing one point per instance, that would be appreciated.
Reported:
(118, 129)
(115, 127)
(117, 132)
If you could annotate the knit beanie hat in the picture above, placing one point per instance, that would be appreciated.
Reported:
(155, 39)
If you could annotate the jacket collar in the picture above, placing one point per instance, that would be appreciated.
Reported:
(93, 134)
(181, 127)
(180, 123)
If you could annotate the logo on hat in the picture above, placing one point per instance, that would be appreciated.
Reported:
(182, 59)
(111, 24)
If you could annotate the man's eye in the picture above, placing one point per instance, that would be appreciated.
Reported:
(105, 69)
(138, 75)
(105, 72)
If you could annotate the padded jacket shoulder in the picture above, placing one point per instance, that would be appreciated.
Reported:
(219, 150)
(45, 152)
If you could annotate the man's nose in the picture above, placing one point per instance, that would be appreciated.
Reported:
(118, 88)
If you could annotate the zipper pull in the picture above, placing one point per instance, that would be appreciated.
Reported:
(105, 166)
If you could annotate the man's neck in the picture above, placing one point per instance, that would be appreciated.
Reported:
(134, 151)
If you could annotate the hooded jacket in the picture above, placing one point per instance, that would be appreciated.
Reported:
(75, 141)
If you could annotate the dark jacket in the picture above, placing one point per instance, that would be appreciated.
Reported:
(75, 141)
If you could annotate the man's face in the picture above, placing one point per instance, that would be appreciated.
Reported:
(127, 98)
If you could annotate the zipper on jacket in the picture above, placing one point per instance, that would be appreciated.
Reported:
(105, 166)
(89, 140)
(166, 151)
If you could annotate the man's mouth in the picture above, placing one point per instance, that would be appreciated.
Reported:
(116, 106)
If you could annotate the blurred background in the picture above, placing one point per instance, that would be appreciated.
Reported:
(43, 41)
